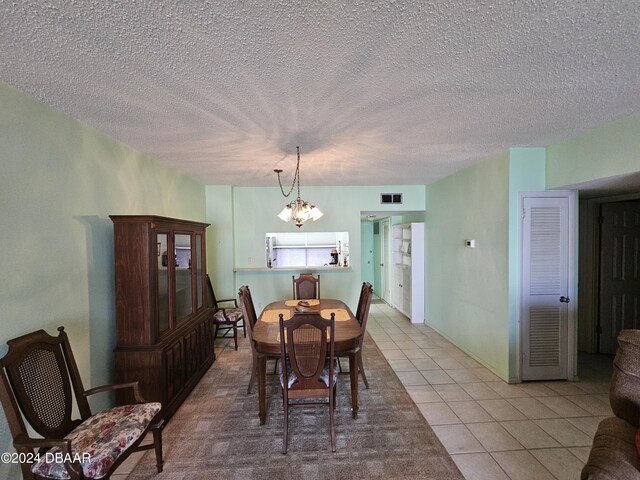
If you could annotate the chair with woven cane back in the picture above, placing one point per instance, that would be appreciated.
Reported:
(306, 286)
(250, 318)
(311, 371)
(39, 380)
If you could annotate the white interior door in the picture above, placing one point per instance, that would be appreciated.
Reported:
(546, 286)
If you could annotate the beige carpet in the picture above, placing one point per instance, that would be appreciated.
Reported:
(216, 434)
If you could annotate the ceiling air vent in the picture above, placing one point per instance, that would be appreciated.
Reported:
(390, 198)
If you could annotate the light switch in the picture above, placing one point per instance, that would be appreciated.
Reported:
(471, 243)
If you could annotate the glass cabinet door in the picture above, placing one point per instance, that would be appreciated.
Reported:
(163, 281)
(183, 278)
(198, 262)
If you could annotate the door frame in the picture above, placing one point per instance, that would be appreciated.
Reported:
(572, 326)
(385, 226)
(367, 253)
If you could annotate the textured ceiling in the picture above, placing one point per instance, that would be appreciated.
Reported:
(374, 92)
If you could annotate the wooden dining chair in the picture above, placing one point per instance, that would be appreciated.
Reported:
(362, 314)
(309, 371)
(250, 318)
(40, 384)
(225, 319)
(306, 286)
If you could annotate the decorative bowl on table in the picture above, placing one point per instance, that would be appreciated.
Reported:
(304, 306)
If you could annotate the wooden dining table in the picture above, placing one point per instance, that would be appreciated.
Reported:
(266, 335)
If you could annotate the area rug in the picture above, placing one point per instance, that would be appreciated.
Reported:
(216, 433)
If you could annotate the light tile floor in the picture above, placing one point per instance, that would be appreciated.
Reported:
(494, 430)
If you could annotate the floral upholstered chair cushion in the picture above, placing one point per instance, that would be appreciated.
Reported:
(100, 440)
(230, 315)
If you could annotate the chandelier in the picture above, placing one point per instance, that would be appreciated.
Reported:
(298, 210)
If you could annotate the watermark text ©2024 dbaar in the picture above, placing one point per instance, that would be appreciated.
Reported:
(49, 457)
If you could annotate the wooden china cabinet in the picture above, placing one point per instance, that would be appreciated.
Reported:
(164, 334)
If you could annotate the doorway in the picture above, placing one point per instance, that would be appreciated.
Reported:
(607, 256)
(618, 272)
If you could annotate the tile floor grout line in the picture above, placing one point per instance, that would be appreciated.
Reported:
(382, 329)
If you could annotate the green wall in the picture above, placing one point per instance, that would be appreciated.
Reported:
(220, 236)
(607, 151)
(472, 294)
(414, 217)
(254, 210)
(60, 181)
(467, 289)
(526, 174)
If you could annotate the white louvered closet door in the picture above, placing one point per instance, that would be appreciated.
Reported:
(545, 287)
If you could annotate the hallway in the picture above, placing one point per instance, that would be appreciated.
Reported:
(494, 430)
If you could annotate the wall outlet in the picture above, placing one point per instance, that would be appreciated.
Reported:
(250, 260)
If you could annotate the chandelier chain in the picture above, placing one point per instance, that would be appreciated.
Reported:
(296, 178)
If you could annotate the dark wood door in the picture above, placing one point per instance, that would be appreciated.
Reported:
(619, 298)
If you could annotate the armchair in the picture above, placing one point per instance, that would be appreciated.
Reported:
(225, 319)
(39, 380)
